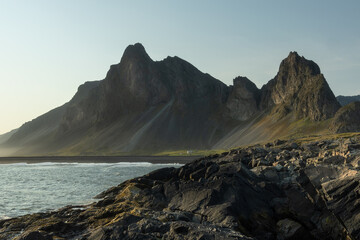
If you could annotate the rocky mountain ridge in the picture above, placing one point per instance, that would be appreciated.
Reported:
(345, 100)
(299, 189)
(300, 87)
(145, 107)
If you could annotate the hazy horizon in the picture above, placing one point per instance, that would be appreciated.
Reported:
(50, 48)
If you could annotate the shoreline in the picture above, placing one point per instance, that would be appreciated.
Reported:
(99, 159)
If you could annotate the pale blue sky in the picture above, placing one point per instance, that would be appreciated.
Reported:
(48, 48)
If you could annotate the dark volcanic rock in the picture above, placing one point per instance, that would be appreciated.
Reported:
(287, 191)
(34, 236)
(347, 119)
(300, 87)
(243, 100)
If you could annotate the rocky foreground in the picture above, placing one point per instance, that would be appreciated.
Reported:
(281, 190)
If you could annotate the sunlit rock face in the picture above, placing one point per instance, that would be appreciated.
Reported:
(300, 87)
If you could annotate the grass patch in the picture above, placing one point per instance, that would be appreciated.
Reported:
(190, 152)
(325, 137)
(306, 127)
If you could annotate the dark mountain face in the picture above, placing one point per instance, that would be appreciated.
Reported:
(137, 83)
(243, 102)
(146, 105)
(143, 106)
(299, 87)
(345, 100)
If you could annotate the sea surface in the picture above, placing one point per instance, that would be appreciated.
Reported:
(30, 188)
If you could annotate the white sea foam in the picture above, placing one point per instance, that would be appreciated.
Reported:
(29, 188)
(14, 164)
(91, 164)
(146, 163)
(52, 163)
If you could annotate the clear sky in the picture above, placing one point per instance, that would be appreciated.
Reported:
(48, 48)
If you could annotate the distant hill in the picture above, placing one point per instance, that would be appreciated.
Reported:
(146, 107)
(347, 119)
(345, 100)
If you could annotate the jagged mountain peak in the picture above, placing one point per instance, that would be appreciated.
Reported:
(179, 63)
(243, 100)
(294, 55)
(135, 52)
(299, 87)
(294, 63)
(169, 104)
(244, 82)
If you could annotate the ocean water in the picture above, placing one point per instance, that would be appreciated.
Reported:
(30, 188)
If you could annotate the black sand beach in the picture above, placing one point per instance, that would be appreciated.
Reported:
(99, 159)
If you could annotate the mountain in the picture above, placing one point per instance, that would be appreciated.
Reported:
(244, 98)
(347, 119)
(35, 136)
(345, 100)
(6, 136)
(141, 105)
(299, 87)
(295, 102)
(145, 107)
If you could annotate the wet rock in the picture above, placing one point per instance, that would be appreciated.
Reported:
(289, 229)
(161, 174)
(36, 235)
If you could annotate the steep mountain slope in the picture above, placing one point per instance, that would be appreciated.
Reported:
(347, 119)
(296, 102)
(7, 136)
(38, 128)
(345, 100)
(35, 136)
(32, 135)
(244, 99)
(144, 107)
(299, 87)
(141, 106)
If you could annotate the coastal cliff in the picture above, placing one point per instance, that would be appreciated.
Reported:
(299, 189)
